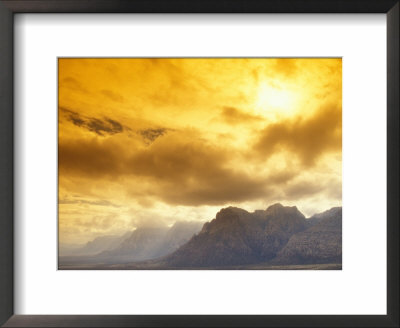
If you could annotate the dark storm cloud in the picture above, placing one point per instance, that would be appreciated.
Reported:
(115, 125)
(92, 158)
(178, 170)
(228, 187)
(101, 127)
(307, 138)
(96, 125)
(152, 134)
(183, 169)
(75, 118)
(191, 173)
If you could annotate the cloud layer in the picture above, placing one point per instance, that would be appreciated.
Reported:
(140, 138)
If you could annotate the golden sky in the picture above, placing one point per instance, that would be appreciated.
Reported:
(153, 141)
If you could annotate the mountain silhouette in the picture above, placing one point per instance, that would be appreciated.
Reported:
(279, 236)
(279, 233)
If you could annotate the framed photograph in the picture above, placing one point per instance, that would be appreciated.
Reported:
(211, 164)
(167, 145)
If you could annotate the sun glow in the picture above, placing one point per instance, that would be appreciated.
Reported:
(159, 140)
(275, 99)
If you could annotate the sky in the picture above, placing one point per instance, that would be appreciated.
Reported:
(153, 141)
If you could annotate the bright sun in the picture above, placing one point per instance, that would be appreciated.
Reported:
(272, 99)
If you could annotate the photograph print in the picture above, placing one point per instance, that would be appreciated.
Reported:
(199, 163)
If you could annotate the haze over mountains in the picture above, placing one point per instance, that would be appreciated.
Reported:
(279, 235)
(144, 243)
(94, 246)
(151, 242)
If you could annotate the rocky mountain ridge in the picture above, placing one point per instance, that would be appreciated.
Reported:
(278, 234)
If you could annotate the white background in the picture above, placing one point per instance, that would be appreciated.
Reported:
(360, 288)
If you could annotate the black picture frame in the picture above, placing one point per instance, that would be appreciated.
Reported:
(10, 7)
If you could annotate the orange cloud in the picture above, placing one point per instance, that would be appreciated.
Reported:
(139, 137)
(308, 138)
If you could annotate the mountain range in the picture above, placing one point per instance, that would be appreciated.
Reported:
(151, 242)
(144, 243)
(279, 235)
(95, 246)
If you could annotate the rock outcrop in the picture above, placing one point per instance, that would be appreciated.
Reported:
(237, 237)
(320, 243)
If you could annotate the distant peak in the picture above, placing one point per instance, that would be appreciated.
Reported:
(230, 213)
(231, 210)
(330, 212)
(279, 208)
(275, 206)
